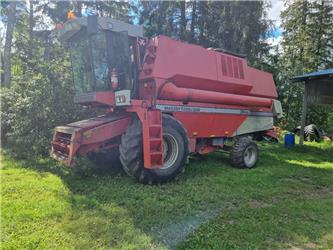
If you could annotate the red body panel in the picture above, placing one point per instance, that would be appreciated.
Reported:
(195, 67)
(215, 125)
(87, 136)
(85, 125)
(95, 99)
(263, 83)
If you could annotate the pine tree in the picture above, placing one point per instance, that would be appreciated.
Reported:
(306, 47)
(8, 42)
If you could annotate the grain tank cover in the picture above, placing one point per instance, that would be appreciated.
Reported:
(194, 67)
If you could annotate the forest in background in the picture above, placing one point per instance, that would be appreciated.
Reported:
(36, 82)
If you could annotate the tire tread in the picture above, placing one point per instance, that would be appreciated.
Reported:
(236, 152)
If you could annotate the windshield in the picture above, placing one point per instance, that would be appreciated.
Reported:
(89, 63)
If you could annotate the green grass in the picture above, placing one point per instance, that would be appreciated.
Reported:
(286, 202)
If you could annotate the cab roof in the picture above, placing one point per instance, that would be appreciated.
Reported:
(71, 27)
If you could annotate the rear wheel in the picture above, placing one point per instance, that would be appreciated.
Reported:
(175, 151)
(244, 153)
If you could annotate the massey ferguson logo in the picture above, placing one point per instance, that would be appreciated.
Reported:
(212, 110)
(181, 109)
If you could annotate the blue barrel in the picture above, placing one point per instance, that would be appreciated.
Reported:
(289, 140)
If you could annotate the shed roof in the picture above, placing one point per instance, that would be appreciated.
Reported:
(327, 73)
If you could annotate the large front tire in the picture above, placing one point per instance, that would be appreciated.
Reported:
(175, 144)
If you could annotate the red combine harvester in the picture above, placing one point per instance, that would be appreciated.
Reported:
(163, 98)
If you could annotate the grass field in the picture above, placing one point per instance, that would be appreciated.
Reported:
(286, 202)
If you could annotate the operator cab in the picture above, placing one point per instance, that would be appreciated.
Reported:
(106, 55)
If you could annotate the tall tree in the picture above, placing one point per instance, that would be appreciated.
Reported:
(8, 42)
(307, 46)
(115, 9)
(193, 20)
(31, 24)
(183, 20)
(308, 34)
(321, 22)
(203, 17)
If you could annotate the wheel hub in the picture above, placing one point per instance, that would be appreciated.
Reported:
(170, 150)
(250, 156)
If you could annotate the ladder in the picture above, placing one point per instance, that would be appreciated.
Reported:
(152, 133)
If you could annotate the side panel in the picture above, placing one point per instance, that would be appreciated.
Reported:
(263, 83)
(202, 125)
(205, 122)
(105, 132)
(254, 124)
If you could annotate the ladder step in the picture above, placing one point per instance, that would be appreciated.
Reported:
(156, 158)
(155, 139)
(154, 125)
(155, 132)
(154, 143)
(155, 153)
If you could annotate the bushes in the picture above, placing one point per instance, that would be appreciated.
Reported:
(40, 98)
(28, 114)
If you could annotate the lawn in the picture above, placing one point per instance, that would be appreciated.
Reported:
(286, 202)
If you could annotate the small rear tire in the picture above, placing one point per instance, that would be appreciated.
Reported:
(244, 153)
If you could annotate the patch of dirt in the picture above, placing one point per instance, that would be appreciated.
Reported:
(258, 204)
(315, 194)
(321, 193)
(306, 246)
(294, 178)
(309, 194)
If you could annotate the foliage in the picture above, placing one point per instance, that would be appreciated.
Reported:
(307, 43)
(37, 101)
(40, 96)
(320, 115)
(287, 203)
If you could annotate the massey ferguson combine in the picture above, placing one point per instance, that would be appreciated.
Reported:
(164, 99)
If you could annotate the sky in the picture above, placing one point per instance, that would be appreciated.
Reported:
(274, 14)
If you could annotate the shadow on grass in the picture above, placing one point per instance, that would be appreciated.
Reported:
(209, 185)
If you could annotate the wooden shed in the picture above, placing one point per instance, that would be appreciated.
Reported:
(318, 90)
